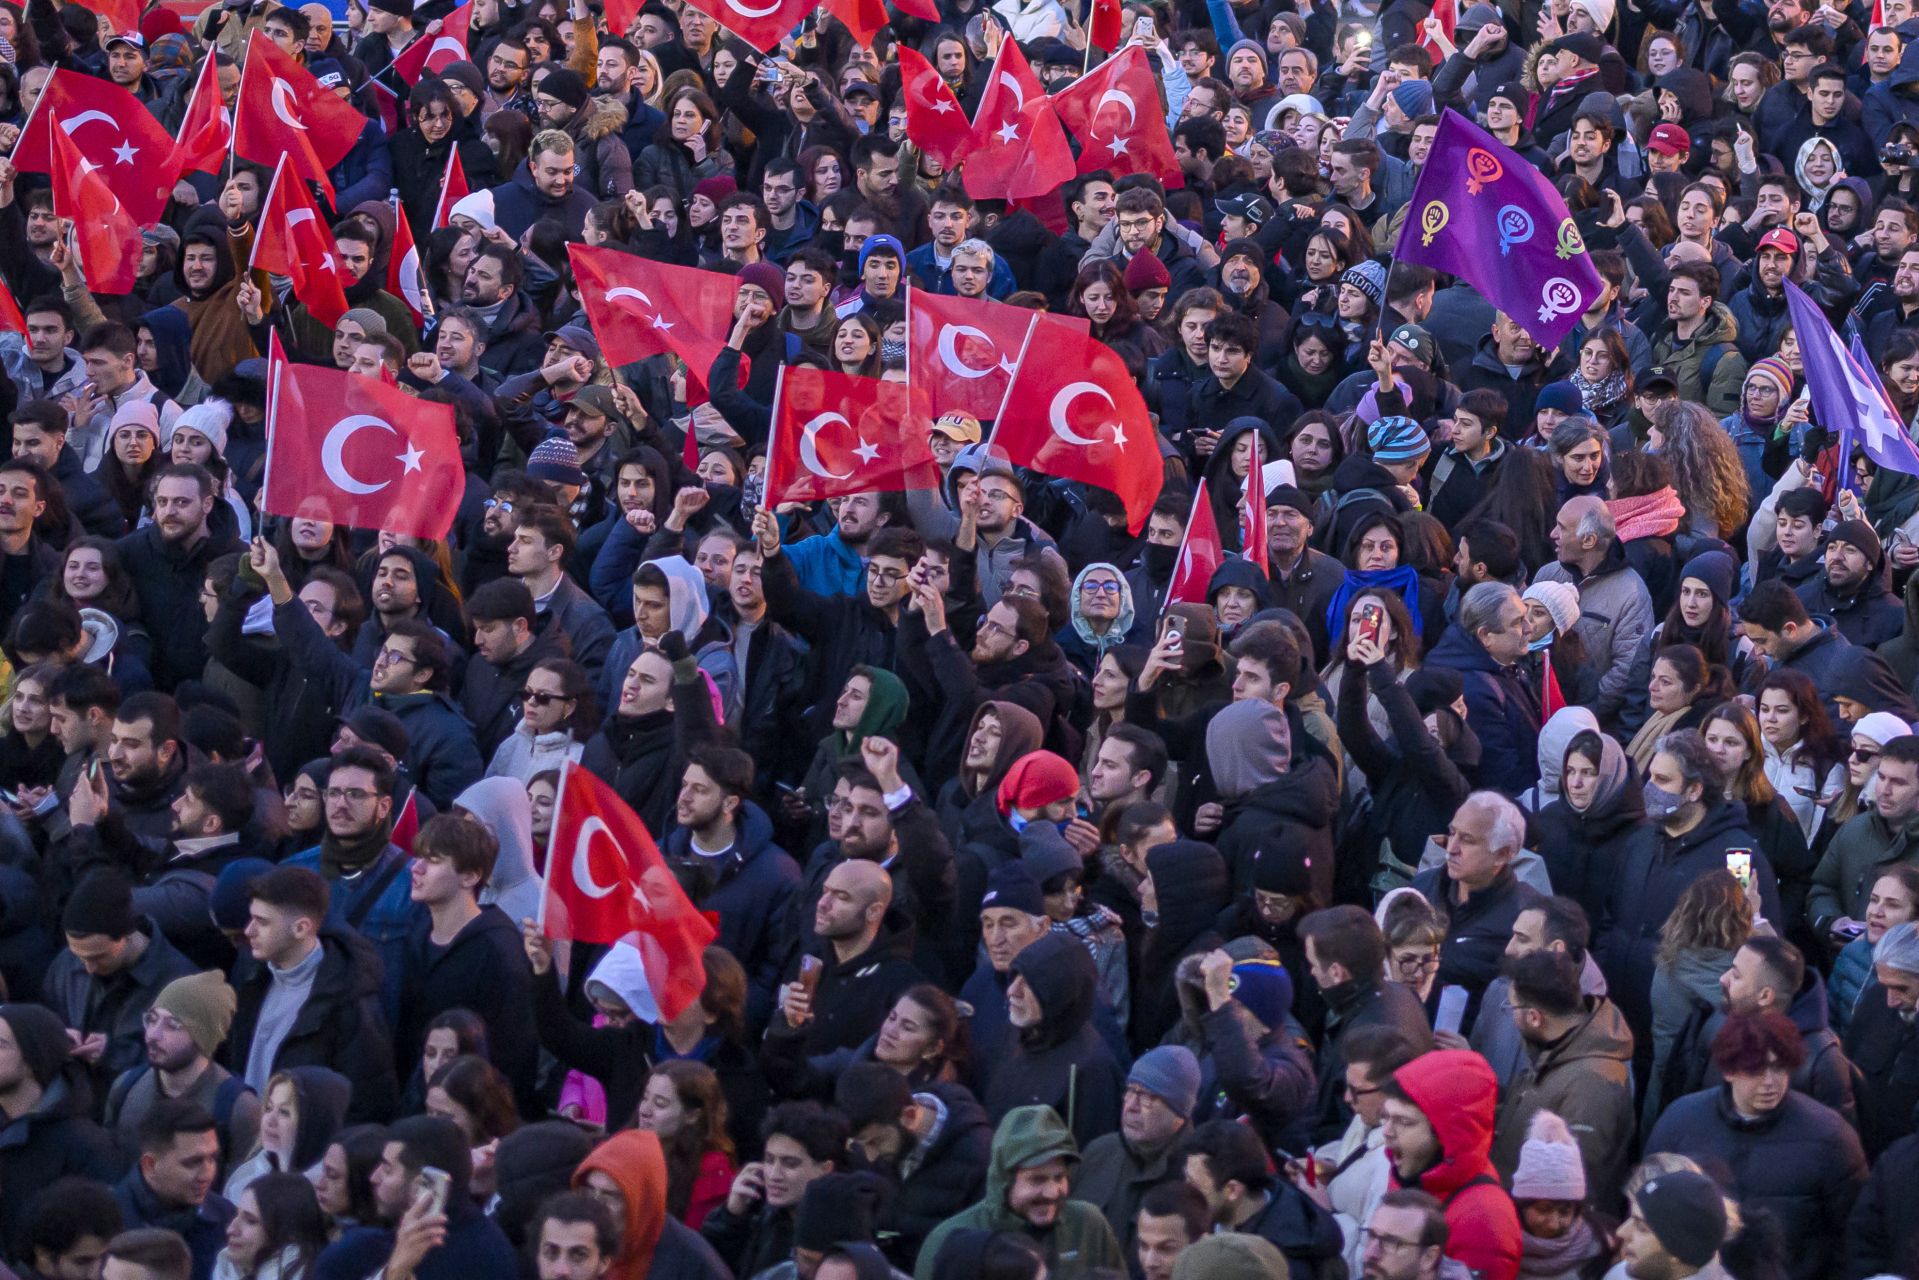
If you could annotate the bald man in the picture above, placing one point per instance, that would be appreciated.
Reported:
(846, 983)
(1615, 609)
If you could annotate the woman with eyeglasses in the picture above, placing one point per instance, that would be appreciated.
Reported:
(1100, 617)
(558, 716)
(305, 797)
(1415, 930)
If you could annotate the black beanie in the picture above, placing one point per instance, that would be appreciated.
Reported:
(567, 85)
(41, 1037)
(835, 1209)
(102, 904)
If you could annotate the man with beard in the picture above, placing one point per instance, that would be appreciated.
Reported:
(663, 711)
(1155, 1115)
(723, 853)
(1028, 1192)
(1014, 658)
(543, 537)
(410, 679)
(354, 250)
(1304, 580)
(26, 560)
(1126, 770)
(510, 321)
(1895, 307)
(1225, 1163)
(860, 961)
(410, 1243)
(876, 173)
(1851, 590)
(1405, 1238)
(65, 1229)
(506, 81)
(934, 1141)
(1242, 282)
(185, 1027)
(168, 561)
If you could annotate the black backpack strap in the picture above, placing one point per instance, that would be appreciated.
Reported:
(364, 906)
(1481, 1180)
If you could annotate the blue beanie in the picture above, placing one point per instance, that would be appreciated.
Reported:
(875, 243)
(1265, 988)
(1012, 885)
(1717, 570)
(1563, 396)
(1397, 439)
(1415, 97)
(230, 898)
(1171, 1074)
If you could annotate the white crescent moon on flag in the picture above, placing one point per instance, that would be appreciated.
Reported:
(627, 291)
(334, 446)
(751, 12)
(282, 100)
(410, 279)
(810, 445)
(583, 865)
(1125, 99)
(448, 42)
(949, 350)
(299, 216)
(1072, 391)
(1019, 94)
(87, 117)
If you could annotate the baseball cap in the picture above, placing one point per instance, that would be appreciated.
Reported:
(1660, 375)
(859, 86)
(1249, 205)
(1416, 341)
(328, 72)
(133, 38)
(958, 426)
(1669, 139)
(1781, 239)
(596, 400)
(578, 337)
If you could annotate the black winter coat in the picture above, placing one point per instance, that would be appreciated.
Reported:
(751, 891)
(53, 1141)
(1885, 1048)
(340, 1026)
(1581, 849)
(1477, 937)
(1350, 1005)
(1882, 1235)
(301, 701)
(1289, 817)
(483, 969)
(167, 579)
(1800, 1162)
(490, 695)
(1416, 787)
(1062, 1062)
(946, 1178)
(854, 996)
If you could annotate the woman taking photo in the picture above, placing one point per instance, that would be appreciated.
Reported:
(1804, 752)
(923, 1038)
(682, 1103)
(1732, 735)
(276, 1233)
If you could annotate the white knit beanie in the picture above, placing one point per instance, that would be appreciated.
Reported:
(210, 418)
(1561, 600)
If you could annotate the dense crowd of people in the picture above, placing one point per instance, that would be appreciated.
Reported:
(1513, 871)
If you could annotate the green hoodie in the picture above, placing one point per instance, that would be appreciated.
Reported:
(1078, 1244)
(886, 707)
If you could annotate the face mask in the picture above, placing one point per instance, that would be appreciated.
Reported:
(1661, 803)
(1159, 559)
(1536, 645)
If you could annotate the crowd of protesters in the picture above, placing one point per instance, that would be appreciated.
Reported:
(1518, 877)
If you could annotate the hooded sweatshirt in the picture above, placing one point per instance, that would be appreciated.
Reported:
(1062, 1062)
(502, 808)
(1554, 736)
(651, 1243)
(320, 1098)
(1458, 1093)
(1078, 1243)
(1248, 744)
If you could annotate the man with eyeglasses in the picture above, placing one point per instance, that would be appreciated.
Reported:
(1404, 1238)
(312, 1000)
(1156, 1113)
(791, 220)
(1437, 1115)
(185, 1027)
(364, 870)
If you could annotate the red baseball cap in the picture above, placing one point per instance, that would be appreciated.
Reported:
(1669, 140)
(1781, 239)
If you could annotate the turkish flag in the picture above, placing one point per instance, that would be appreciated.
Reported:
(104, 232)
(357, 452)
(295, 242)
(1447, 12)
(606, 882)
(403, 278)
(1115, 114)
(128, 149)
(1252, 511)
(862, 18)
(453, 188)
(1107, 24)
(761, 25)
(1073, 411)
(282, 110)
(11, 321)
(836, 433)
(406, 827)
(1002, 129)
(640, 308)
(1200, 553)
(934, 121)
(205, 132)
(961, 352)
(116, 15)
(435, 51)
(1551, 698)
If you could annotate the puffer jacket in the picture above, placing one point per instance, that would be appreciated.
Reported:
(1584, 1078)
(1457, 1093)
(1800, 1162)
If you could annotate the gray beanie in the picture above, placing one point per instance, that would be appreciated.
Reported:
(1171, 1074)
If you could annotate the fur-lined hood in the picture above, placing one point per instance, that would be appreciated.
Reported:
(600, 119)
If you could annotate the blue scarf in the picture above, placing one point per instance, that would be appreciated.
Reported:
(1404, 580)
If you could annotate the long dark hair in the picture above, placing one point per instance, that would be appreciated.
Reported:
(1819, 741)
(117, 598)
(585, 720)
(696, 1086)
(290, 1216)
(482, 1092)
(1525, 498)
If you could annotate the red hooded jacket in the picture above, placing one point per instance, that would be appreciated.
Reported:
(1458, 1093)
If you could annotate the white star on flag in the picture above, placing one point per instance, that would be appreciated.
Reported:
(942, 106)
(1009, 132)
(867, 451)
(125, 152)
(1117, 146)
(411, 458)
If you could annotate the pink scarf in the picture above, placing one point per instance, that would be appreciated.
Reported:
(1650, 515)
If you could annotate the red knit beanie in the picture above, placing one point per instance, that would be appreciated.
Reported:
(1036, 780)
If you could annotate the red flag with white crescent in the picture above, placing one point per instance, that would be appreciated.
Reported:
(1252, 511)
(403, 279)
(443, 43)
(206, 134)
(281, 110)
(294, 241)
(935, 122)
(1115, 114)
(104, 233)
(126, 146)
(761, 25)
(453, 188)
(1201, 552)
(835, 433)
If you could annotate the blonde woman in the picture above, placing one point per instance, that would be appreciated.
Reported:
(1711, 921)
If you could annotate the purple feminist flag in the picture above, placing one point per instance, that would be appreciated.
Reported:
(1847, 393)
(1481, 212)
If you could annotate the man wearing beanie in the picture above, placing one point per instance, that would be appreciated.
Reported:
(1027, 1194)
(389, 32)
(595, 125)
(45, 1134)
(185, 1028)
(1675, 1229)
(1852, 589)
(1012, 916)
(1155, 1114)
(1257, 1067)
(114, 965)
